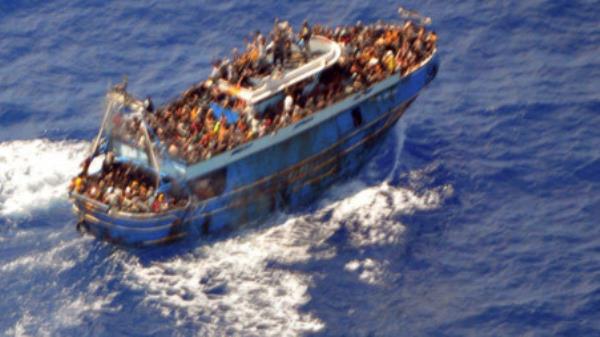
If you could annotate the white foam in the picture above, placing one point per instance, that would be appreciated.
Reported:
(399, 138)
(56, 259)
(391, 148)
(232, 285)
(66, 311)
(71, 310)
(229, 287)
(370, 214)
(369, 271)
(34, 173)
(19, 329)
(53, 305)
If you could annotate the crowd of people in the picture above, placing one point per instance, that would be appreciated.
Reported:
(124, 187)
(190, 129)
(261, 59)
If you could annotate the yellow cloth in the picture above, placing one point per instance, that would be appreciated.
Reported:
(390, 62)
(194, 113)
(253, 55)
(78, 184)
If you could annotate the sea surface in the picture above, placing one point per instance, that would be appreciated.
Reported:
(480, 216)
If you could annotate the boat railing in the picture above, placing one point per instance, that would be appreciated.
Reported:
(412, 69)
(101, 207)
(97, 204)
(170, 212)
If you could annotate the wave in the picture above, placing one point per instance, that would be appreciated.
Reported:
(234, 285)
(69, 310)
(35, 173)
(67, 292)
(56, 259)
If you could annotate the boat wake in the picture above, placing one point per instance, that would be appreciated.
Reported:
(232, 285)
(242, 284)
(62, 298)
(35, 173)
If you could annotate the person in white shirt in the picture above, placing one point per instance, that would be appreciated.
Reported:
(288, 104)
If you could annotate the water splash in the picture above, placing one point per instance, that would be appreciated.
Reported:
(35, 173)
(68, 311)
(369, 271)
(232, 285)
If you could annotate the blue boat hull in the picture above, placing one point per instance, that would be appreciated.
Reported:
(291, 169)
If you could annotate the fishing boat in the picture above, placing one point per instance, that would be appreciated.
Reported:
(241, 184)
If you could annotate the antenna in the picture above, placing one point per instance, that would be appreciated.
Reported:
(125, 81)
(122, 87)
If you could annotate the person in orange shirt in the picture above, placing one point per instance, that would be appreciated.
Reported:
(194, 113)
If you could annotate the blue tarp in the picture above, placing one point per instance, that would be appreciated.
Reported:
(232, 117)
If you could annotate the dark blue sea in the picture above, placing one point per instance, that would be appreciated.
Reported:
(479, 216)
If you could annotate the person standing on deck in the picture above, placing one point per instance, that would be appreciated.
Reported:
(277, 43)
(278, 49)
(305, 35)
(260, 46)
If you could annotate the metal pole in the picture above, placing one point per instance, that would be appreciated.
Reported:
(107, 115)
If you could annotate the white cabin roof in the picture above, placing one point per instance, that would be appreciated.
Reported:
(329, 51)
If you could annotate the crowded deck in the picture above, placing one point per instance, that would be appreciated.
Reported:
(208, 119)
(219, 114)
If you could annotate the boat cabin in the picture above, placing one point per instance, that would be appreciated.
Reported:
(270, 89)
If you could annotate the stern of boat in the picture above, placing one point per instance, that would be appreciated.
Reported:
(130, 229)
